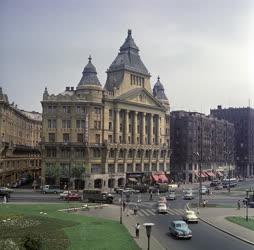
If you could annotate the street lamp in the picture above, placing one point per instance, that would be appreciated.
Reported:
(121, 208)
(200, 180)
(148, 227)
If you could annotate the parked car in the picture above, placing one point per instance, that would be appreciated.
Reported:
(64, 194)
(172, 186)
(190, 216)
(204, 190)
(162, 208)
(50, 189)
(188, 195)
(214, 183)
(180, 229)
(218, 187)
(171, 196)
(73, 197)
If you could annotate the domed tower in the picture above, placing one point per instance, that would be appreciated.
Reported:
(89, 86)
(159, 93)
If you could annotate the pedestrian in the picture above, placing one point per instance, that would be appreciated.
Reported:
(137, 227)
(5, 199)
(124, 205)
(135, 210)
(238, 205)
(151, 196)
(158, 192)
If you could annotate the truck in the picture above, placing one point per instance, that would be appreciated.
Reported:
(97, 195)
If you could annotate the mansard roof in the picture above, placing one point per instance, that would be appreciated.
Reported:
(128, 58)
(158, 90)
(89, 75)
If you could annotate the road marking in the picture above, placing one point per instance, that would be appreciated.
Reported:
(140, 214)
(150, 212)
(182, 210)
(169, 212)
(145, 212)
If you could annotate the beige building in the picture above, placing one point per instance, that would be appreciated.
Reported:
(104, 137)
(19, 142)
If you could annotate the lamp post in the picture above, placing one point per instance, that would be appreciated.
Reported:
(247, 203)
(148, 227)
(200, 181)
(121, 208)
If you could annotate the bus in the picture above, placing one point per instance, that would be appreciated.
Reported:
(232, 182)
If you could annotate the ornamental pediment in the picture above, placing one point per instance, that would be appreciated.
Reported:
(140, 96)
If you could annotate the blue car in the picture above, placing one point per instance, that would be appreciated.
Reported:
(180, 229)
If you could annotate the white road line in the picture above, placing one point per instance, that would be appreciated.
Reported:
(140, 214)
(169, 212)
(177, 211)
(182, 210)
(145, 212)
(150, 212)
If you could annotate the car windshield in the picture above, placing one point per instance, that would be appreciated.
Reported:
(180, 225)
(190, 212)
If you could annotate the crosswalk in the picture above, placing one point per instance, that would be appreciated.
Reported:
(152, 212)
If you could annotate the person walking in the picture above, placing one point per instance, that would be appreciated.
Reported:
(137, 227)
(124, 205)
(238, 205)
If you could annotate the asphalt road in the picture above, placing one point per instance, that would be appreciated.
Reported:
(205, 237)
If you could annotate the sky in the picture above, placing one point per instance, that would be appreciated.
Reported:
(201, 49)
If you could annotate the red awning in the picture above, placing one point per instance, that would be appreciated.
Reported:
(219, 173)
(211, 174)
(160, 177)
(205, 174)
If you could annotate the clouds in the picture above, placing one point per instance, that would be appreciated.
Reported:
(201, 49)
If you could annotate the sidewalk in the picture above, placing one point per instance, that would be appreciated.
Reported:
(112, 212)
(216, 218)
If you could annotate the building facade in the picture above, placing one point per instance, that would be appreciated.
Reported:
(103, 137)
(202, 141)
(20, 133)
(243, 120)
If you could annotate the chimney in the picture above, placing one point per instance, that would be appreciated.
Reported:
(219, 107)
(72, 88)
(67, 89)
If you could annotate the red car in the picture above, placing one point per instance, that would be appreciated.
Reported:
(73, 197)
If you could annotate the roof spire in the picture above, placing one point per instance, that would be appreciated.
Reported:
(89, 58)
(129, 32)
(158, 78)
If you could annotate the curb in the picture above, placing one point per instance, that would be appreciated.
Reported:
(227, 232)
(224, 231)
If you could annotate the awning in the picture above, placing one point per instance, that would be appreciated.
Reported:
(132, 179)
(211, 174)
(160, 177)
(219, 173)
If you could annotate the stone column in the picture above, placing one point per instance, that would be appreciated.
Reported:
(158, 130)
(125, 161)
(126, 129)
(143, 128)
(117, 126)
(142, 160)
(151, 129)
(135, 127)
(150, 160)
(134, 161)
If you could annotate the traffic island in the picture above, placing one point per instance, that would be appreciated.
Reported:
(242, 221)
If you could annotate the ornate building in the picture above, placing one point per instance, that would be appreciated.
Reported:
(202, 141)
(20, 133)
(104, 137)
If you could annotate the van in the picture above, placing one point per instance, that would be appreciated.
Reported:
(96, 195)
(50, 189)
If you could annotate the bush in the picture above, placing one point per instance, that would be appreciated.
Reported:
(32, 242)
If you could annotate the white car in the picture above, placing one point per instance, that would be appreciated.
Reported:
(64, 194)
(190, 216)
(162, 208)
(204, 190)
(188, 195)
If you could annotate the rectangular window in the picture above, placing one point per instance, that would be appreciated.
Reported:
(51, 123)
(110, 113)
(97, 138)
(52, 137)
(66, 137)
(67, 109)
(97, 111)
(110, 138)
(110, 126)
(80, 137)
(66, 123)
